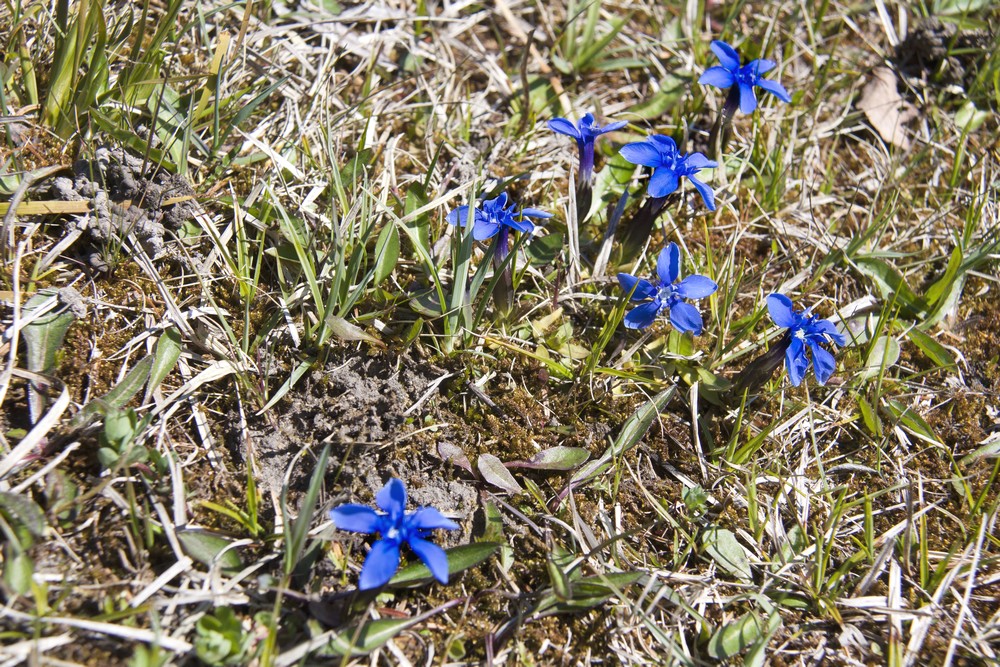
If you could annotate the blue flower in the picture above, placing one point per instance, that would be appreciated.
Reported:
(805, 329)
(396, 527)
(730, 73)
(495, 216)
(585, 132)
(660, 153)
(666, 295)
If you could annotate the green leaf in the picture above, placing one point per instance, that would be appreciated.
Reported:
(911, 421)
(989, 449)
(942, 284)
(344, 330)
(205, 547)
(960, 7)
(630, 435)
(672, 89)
(248, 109)
(17, 571)
(367, 638)
(870, 417)
(587, 593)
(543, 250)
(168, 351)
(734, 638)
(892, 284)
(287, 385)
(44, 336)
(884, 353)
(934, 350)
(494, 472)
(297, 529)
(460, 558)
(119, 395)
(554, 458)
(726, 551)
(386, 253)
(24, 511)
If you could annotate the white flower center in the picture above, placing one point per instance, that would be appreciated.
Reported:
(392, 534)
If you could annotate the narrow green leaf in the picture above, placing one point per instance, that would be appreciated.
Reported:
(386, 253)
(494, 472)
(722, 546)
(17, 572)
(23, 510)
(868, 415)
(942, 284)
(297, 529)
(934, 350)
(205, 547)
(44, 336)
(460, 558)
(911, 421)
(554, 458)
(891, 283)
(168, 351)
(883, 355)
(341, 329)
(119, 395)
(367, 638)
(287, 385)
(631, 433)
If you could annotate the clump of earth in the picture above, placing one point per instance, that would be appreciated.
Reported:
(363, 408)
(130, 196)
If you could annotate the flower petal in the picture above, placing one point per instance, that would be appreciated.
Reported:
(428, 518)
(779, 307)
(706, 192)
(663, 181)
(717, 76)
(748, 98)
(685, 317)
(523, 225)
(726, 54)
(796, 361)
(613, 127)
(775, 89)
(761, 66)
(460, 216)
(668, 264)
(433, 557)
(698, 161)
(823, 362)
(381, 564)
(484, 229)
(642, 316)
(355, 518)
(643, 288)
(830, 329)
(535, 213)
(392, 499)
(696, 287)
(641, 152)
(563, 126)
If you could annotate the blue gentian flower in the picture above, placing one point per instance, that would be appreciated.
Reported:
(660, 153)
(494, 217)
(805, 329)
(396, 527)
(666, 295)
(585, 132)
(745, 78)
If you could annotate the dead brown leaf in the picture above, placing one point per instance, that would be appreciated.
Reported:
(885, 109)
